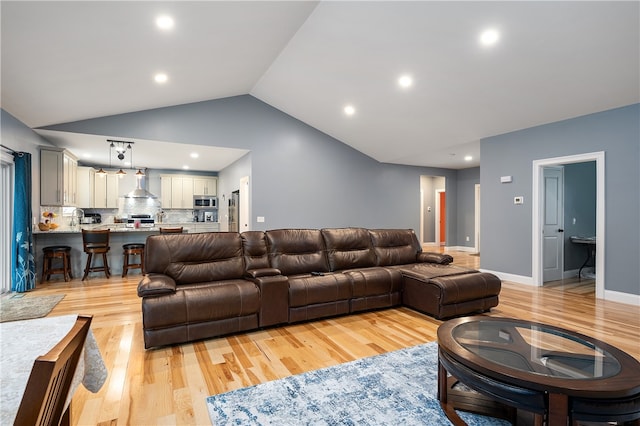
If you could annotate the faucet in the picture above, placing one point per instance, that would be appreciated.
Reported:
(74, 214)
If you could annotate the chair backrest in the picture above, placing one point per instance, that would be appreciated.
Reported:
(171, 230)
(95, 239)
(45, 396)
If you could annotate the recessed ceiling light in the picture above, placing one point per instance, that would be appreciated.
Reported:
(349, 110)
(489, 37)
(405, 81)
(468, 158)
(164, 22)
(194, 155)
(161, 78)
(185, 167)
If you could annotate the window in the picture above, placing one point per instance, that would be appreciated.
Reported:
(6, 214)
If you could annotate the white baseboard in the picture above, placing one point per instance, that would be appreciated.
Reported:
(460, 248)
(626, 298)
(520, 279)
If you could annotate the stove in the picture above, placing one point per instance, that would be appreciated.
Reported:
(140, 221)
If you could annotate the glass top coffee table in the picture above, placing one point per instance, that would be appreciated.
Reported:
(542, 369)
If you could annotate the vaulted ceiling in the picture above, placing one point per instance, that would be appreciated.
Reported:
(68, 61)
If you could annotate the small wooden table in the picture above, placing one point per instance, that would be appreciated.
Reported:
(522, 365)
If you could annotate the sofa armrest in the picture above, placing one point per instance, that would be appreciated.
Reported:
(274, 299)
(156, 285)
(431, 257)
(262, 272)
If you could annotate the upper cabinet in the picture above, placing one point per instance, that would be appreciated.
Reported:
(58, 177)
(86, 187)
(177, 191)
(106, 191)
(205, 185)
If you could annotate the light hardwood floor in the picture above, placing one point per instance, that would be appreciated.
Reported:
(169, 385)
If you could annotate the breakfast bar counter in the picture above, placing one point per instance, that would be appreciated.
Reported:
(120, 234)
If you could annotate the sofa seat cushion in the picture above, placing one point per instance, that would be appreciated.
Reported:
(307, 289)
(195, 303)
(348, 248)
(374, 281)
(432, 270)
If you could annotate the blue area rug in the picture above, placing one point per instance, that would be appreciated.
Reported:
(396, 388)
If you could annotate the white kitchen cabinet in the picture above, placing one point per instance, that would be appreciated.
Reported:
(205, 185)
(58, 177)
(86, 187)
(165, 191)
(177, 191)
(207, 227)
(181, 192)
(106, 191)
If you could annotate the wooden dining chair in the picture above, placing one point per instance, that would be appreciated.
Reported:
(171, 230)
(49, 384)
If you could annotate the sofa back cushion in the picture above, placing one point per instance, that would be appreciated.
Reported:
(194, 258)
(254, 245)
(348, 248)
(297, 251)
(395, 246)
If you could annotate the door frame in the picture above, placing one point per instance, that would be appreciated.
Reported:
(437, 217)
(476, 219)
(537, 205)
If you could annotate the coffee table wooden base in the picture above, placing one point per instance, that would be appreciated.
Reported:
(453, 398)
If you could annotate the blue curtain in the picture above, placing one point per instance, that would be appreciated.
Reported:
(23, 274)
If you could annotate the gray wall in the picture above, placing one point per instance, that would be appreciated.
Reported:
(579, 204)
(467, 180)
(17, 136)
(300, 177)
(506, 228)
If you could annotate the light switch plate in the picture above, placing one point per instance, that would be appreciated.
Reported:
(518, 200)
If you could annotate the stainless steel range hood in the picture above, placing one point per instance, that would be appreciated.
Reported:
(140, 191)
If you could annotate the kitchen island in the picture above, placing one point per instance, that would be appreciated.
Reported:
(120, 234)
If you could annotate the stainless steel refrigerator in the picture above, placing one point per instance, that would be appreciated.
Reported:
(234, 209)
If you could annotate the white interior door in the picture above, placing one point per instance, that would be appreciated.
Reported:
(553, 224)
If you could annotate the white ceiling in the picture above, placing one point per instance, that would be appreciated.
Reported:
(68, 61)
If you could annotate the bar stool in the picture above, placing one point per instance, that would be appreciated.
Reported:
(171, 230)
(96, 242)
(56, 252)
(132, 249)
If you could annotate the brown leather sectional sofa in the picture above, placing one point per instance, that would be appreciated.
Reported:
(200, 286)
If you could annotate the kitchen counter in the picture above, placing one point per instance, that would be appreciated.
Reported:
(120, 235)
(122, 227)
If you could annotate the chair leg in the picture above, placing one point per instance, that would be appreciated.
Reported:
(69, 264)
(65, 267)
(44, 268)
(125, 264)
(86, 268)
(105, 263)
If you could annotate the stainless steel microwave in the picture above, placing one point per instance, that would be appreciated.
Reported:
(205, 202)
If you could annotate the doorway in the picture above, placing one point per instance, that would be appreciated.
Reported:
(430, 213)
(538, 214)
